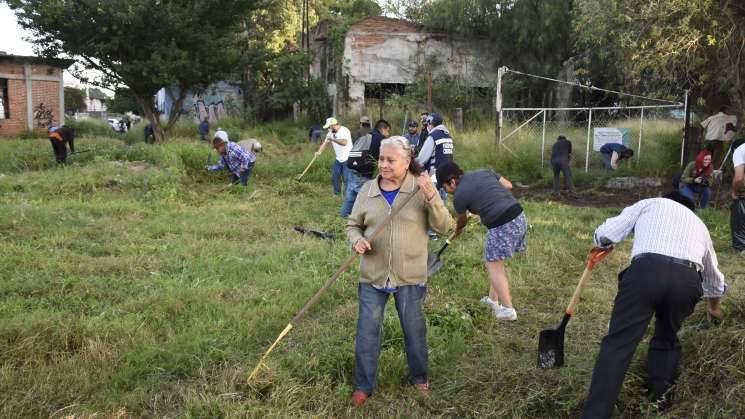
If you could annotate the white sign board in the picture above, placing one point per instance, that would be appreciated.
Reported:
(610, 135)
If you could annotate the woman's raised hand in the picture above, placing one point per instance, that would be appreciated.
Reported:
(426, 185)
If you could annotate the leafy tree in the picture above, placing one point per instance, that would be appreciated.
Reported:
(143, 44)
(122, 102)
(664, 46)
(533, 36)
(74, 99)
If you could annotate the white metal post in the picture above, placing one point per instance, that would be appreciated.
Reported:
(498, 103)
(587, 153)
(639, 147)
(543, 139)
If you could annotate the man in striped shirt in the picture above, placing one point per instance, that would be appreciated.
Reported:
(672, 264)
(233, 157)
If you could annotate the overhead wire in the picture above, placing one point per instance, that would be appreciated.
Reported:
(591, 87)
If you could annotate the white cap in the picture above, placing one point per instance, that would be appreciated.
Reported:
(222, 135)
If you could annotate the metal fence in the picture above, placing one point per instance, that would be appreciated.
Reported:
(536, 128)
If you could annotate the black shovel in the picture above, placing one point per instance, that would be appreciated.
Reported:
(434, 263)
(551, 341)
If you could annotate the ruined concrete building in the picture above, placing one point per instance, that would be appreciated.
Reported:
(382, 55)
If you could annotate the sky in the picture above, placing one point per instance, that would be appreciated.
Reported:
(12, 42)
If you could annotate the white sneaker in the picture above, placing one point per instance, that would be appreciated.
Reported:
(505, 313)
(486, 300)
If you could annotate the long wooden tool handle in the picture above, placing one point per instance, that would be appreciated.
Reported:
(578, 291)
(351, 259)
(315, 156)
(595, 256)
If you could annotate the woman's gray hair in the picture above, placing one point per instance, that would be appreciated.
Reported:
(401, 142)
(397, 140)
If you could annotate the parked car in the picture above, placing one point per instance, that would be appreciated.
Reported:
(113, 123)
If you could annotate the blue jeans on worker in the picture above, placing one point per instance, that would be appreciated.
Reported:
(243, 178)
(339, 172)
(606, 160)
(409, 301)
(690, 192)
(352, 188)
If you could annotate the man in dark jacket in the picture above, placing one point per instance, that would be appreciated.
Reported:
(561, 155)
(59, 136)
(437, 149)
(613, 153)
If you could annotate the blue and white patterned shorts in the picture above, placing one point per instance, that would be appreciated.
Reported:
(503, 241)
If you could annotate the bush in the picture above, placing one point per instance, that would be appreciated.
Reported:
(90, 127)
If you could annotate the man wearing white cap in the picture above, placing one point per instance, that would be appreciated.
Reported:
(233, 157)
(341, 139)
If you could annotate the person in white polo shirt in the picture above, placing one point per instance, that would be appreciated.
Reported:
(673, 264)
(341, 139)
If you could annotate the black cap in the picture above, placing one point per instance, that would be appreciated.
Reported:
(413, 124)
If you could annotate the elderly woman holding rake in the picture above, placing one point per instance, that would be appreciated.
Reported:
(395, 262)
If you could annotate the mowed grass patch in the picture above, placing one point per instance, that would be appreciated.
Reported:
(134, 283)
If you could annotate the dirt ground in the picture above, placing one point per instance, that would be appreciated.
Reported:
(612, 198)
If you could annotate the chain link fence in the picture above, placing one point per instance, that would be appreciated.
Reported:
(532, 131)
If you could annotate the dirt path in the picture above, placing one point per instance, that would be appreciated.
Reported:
(608, 198)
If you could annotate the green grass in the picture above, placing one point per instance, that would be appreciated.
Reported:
(131, 285)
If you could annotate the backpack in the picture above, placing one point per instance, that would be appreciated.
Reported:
(359, 157)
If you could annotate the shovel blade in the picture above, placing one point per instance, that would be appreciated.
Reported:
(551, 346)
(434, 263)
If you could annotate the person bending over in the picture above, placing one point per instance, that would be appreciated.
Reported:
(488, 195)
(234, 158)
(673, 264)
(59, 136)
(613, 153)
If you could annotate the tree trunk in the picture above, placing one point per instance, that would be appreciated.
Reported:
(152, 115)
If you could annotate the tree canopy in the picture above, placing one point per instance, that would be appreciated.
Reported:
(143, 44)
(74, 99)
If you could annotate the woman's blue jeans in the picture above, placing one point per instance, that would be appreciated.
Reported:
(690, 191)
(409, 301)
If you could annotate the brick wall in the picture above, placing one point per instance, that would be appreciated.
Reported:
(45, 97)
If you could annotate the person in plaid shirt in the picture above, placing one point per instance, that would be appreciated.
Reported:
(235, 158)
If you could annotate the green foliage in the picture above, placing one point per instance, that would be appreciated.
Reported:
(74, 100)
(132, 285)
(142, 45)
(532, 36)
(123, 102)
(665, 46)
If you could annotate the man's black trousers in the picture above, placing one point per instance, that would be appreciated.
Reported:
(60, 150)
(648, 286)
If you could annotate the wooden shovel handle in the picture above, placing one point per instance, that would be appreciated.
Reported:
(595, 256)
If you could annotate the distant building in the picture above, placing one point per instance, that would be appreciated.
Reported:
(32, 95)
(383, 55)
(95, 101)
(219, 100)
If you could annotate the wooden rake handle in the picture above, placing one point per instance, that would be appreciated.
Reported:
(315, 156)
(595, 256)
